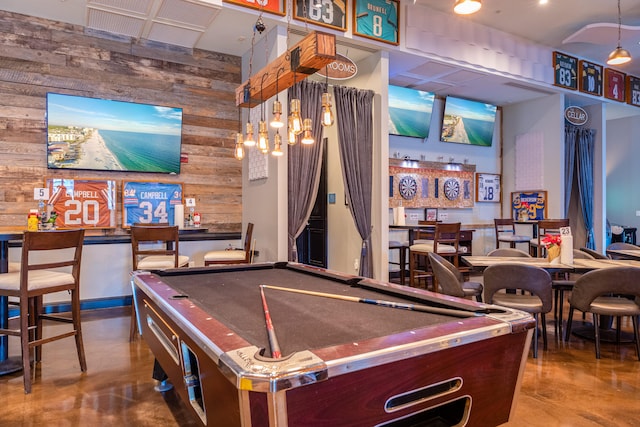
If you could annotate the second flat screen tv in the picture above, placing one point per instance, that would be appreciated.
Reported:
(468, 122)
(100, 134)
(409, 112)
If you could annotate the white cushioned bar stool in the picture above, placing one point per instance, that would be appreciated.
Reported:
(154, 247)
(233, 256)
(50, 263)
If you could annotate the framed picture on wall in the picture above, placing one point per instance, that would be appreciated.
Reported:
(529, 205)
(377, 20)
(145, 202)
(431, 214)
(488, 187)
(328, 13)
(86, 203)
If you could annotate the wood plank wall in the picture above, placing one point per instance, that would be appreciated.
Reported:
(39, 56)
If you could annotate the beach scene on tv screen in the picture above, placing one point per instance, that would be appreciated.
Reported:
(468, 122)
(409, 112)
(100, 134)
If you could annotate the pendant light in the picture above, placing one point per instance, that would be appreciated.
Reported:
(619, 55)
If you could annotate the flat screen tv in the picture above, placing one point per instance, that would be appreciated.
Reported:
(409, 112)
(105, 135)
(468, 122)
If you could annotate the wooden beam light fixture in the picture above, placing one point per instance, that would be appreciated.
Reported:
(313, 52)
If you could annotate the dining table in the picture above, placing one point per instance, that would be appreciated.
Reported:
(7, 364)
(633, 254)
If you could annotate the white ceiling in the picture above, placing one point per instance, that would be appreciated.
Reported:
(584, 28)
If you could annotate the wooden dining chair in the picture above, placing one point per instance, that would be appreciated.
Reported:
(50, 263)
(545, 226)
(506, 232)
(446, 239)
(233, 256)
(154, 247)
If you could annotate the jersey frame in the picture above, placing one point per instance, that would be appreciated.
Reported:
(379, 29)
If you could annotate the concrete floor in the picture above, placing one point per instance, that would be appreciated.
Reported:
(565, 386)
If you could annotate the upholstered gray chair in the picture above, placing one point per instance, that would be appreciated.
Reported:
(594, 254)
(509, 252)
(559, 286)
(450, 281)
(621, 246)
(610, 292)
(537, 298)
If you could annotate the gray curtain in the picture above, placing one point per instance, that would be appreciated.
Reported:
(580, 145)
(355, 138)
(570, 132)
(585, 148)
(304, 162)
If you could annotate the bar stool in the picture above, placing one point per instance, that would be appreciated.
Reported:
(153, 247)
(234, 256)
(402, 248)
(506, 232)
(55, 268)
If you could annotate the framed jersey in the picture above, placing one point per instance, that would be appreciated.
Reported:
(83, 203)
(149, 202)
(377, 19)
(328, 13)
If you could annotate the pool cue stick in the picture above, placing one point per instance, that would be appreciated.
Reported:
(391, 304)
(271, 333)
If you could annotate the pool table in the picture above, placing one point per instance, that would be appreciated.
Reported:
(343, 363)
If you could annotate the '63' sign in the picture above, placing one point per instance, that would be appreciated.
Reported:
(83, 203)
(150, 202)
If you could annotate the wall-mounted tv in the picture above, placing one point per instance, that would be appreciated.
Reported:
(409, 112)
(468, 122)
(105, 135)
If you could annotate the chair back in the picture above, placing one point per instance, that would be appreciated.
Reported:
(519, 276)
(623, 246)
(247, 242)
(594, 254)
(67, 245)
(551, 227)
(426, 232)
(509, 252)
(504, 225)
(446, 234)
(448, 277)
(605, 281)
(577, 253)
(145, 240)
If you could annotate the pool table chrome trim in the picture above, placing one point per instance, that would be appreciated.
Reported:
(240, 363)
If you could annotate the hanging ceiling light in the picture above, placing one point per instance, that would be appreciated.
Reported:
(619, 55)
(238, 152)
(277, 145)
(467, 7)
(327, 115)
(277, 106)
(307, 137)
